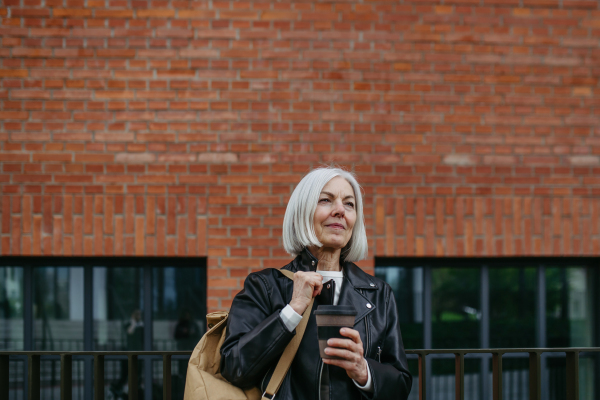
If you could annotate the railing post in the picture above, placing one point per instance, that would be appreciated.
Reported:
(34, 377)
(66, 377)
(535, 376)
(573, 375)
(4, 377)
(422, 375)
(459, 375)
(166, 377)
(497, 376)
(132, 372)
(98, 377)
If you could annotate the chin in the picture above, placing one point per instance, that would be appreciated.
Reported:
(333, 244)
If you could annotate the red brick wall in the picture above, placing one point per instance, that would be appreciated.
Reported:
(180, 128)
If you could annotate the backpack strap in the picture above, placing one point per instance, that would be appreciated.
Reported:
(287, 357)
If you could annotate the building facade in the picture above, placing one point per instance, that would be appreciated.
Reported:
(179, 129)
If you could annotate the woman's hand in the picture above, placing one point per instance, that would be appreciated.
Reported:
(306, 286)
(351, 351)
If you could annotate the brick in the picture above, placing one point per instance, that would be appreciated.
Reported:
(150, 215)
(461, 159)
(139, 236)
(129, 214)
(77, 236)
(462, 135)
(57, 236)
(201, 236)
(155, 13)
(99, 13)
(181, 236)
(135, 158)
(196, 14)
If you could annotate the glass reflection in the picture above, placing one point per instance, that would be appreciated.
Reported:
(455, 310)
(118, 322)
(570, 323)
(178, 314)
(569, 308)
(179, 307)
(407, 285)
(11, 308)
(512, 307)
(58, 308)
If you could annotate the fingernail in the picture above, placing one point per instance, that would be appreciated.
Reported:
(327, 351)
(343, 330)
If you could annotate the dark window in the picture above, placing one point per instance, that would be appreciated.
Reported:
(446, 303)
(101, 303)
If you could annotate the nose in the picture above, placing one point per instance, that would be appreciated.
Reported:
(338, 209)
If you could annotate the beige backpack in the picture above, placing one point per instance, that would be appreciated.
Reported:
(204, 380)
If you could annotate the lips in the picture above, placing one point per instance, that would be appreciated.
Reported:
(336, 226)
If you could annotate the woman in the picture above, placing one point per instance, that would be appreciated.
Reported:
(324, 228)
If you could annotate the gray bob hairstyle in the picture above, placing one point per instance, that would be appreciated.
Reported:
(298, 228)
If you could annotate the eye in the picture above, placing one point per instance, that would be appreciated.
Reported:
(324, 199)
(351, 204)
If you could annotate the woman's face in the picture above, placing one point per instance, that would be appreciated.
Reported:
(335, 214)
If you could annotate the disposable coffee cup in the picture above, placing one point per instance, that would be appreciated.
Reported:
(330, 319)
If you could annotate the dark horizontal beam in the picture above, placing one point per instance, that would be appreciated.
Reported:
(34, 358)
(95, 353)
(504, 351)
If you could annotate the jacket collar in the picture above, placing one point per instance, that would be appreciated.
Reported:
(355, 282)
(306, 261)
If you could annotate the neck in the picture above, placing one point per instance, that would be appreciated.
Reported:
(329, 259)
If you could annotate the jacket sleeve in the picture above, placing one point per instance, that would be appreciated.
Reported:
(256, 335)
(391, 378)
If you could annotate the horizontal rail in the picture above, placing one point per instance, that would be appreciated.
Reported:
(572, 368)
(95, 353)
(66, 358)
(506, 350)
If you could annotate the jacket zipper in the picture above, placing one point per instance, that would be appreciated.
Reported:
(368, 336)
(320, 376)
(366, 332)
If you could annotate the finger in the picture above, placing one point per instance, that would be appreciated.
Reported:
(342, 353)
(346, 344)
(347, 365)
(316, 284)
(341, 343)
(315, 280)
(310, 279)
(319, 283)
(352, 334)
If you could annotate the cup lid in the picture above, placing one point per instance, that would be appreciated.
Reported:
(335, 310)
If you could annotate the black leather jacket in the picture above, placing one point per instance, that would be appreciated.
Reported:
(256, 337)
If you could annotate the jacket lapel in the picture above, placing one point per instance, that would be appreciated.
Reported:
(355, 281)
(351, 292)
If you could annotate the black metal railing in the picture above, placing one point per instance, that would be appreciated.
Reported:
(34, 359)
(535, 369)
(66, 362)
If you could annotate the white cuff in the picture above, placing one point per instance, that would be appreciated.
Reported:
(369, 385)
(290, 318)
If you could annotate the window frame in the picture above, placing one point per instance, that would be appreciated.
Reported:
(484, 264)
(146, 264)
